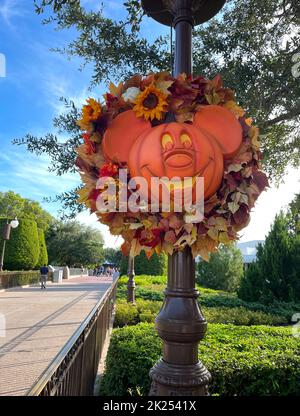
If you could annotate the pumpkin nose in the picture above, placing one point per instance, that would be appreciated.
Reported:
(179, 159)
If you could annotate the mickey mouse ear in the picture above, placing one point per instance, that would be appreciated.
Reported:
(222, 125)
(121, 134)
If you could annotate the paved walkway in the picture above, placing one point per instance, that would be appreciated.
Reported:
(38, 324)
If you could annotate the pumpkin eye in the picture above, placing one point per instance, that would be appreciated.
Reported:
(167, 142)
(186, 140)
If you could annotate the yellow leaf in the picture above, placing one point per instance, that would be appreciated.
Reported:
(223, 238)
(116, 91)
(83, 195)
(221, 224)
(234, 108)
(213, 233)
(253, 134)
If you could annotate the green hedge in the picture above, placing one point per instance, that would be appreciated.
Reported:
(152, 288)
(243, 360)
(146, 311)
(43, 254)
(12, 279)
(23, 248)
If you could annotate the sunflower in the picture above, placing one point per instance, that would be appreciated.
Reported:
(150, 103)
(90, 112)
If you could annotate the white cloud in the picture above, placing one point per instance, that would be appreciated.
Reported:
(269, 204)
(10, 9)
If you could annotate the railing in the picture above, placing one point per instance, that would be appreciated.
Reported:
(73, 371)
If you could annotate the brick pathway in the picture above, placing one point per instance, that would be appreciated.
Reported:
(38, 324)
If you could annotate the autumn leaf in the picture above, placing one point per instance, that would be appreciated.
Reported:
(233, 207)
(260, 179)
(234, 167)
(116, 91)
(234, 108)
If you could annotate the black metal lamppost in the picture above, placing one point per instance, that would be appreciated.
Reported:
(131, 282)
(6, 235)
(180, 323)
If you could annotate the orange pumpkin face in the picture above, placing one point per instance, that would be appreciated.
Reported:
(175, 149)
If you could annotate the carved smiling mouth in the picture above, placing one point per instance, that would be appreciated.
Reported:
(200, 173)
(179, 159)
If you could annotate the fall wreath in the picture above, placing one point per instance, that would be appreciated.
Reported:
(149, 102)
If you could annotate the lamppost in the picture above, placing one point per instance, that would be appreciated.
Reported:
(180, 323)
(6, 235)
(131, 282)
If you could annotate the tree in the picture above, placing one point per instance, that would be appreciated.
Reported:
(73, 244)
(23, 248)
(113, 256)
(252, 44)
(223, 271)
(43, 254)
(276, 273)
(13, 205)
(155, 266)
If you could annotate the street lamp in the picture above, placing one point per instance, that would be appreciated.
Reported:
(180, 323)
(6, 235)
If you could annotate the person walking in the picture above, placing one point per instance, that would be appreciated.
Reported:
(116, 274)
(44, 273)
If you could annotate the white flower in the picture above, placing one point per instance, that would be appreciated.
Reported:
(131, 93)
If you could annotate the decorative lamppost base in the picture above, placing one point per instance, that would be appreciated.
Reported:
(179, 380)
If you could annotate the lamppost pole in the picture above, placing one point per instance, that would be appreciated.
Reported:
(131, 282)
(180, 323)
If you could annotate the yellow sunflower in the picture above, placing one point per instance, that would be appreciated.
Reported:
(90, 112)
(150, 103)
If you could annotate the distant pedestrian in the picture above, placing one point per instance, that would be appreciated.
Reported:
(82, 270)
(43, 279)
(116, 274)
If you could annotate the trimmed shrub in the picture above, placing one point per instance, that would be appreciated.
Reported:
(243, 361)
(146, 311)
(210, 298)
(13, 279)
(126, 314)
(43, 255)
(22, 250)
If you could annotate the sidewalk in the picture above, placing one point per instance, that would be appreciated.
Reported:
(38, 324)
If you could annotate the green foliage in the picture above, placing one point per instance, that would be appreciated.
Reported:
(43, 254)
(156, 265)
(144, 280)
(13, 279)
(250, 43)
(152, 288)
(74, 244)
(255, 360)
(147, 310)
(113, 256)
(276, 272)
(13, 205)
(223, 271)
(22, 249)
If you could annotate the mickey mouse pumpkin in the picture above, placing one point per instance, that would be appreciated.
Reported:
(175, 149)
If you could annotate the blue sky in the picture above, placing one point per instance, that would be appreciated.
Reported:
(36, 78)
